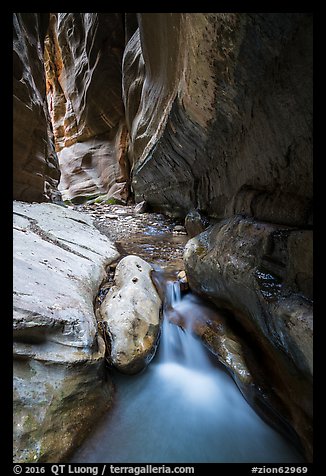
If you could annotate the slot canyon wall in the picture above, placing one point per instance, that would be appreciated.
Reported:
(222, 118)
(72, 114)
(83, 56)
(35, 164)
(219, 110)
(205, 112)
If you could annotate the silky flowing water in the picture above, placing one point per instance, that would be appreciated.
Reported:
(184, 407)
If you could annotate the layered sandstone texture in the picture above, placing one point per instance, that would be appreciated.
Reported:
(35, 165)
(60, 388)
(219, 109)
(83, 56)
(262, 272)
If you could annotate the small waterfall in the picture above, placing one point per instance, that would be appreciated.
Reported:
(171, 340)
(182, 409)
(173, 293)
(179, 344)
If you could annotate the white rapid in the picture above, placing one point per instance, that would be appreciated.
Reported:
(182, 409)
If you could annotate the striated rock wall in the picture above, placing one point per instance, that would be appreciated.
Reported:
(214, 111)
(220, 116)
(83, 55)
(35, 165)
(219, 109)
(249, 268)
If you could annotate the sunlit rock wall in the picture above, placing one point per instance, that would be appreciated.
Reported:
(83, 55)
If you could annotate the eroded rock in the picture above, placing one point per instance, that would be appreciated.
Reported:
(83, 55)
(35, 163)
(195, 223)
(237, 260)
(141, 207)
(213, 329)
(183, 281)
(131, 311)
(243, 265)
(214, 123)
(60, 390)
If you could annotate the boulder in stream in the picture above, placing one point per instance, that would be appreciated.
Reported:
(195, 223)
(131, 310)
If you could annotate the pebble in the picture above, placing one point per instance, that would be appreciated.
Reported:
(121, 212)
(147, 235)
(179, 228)
(141, 207)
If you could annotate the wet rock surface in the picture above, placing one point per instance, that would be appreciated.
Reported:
(201, 111)
(240, 355)
(60, 388)
(150, 236)
(131, 313)
(212, 327)
(247, 267)
(245, 263)
(160, 241)
(195, 223)
(154, 238)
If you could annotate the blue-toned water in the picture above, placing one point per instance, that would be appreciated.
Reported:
(182, 409)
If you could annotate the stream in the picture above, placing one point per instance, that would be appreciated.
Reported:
(184, 407)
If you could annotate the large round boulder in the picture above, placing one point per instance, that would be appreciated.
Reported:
(131, 311)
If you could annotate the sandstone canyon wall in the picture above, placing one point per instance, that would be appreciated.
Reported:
(83, 55)
(35, 164)
(201, 112)
(219, 108)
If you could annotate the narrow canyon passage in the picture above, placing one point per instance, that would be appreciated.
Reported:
(151, 149)
(183, 407)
